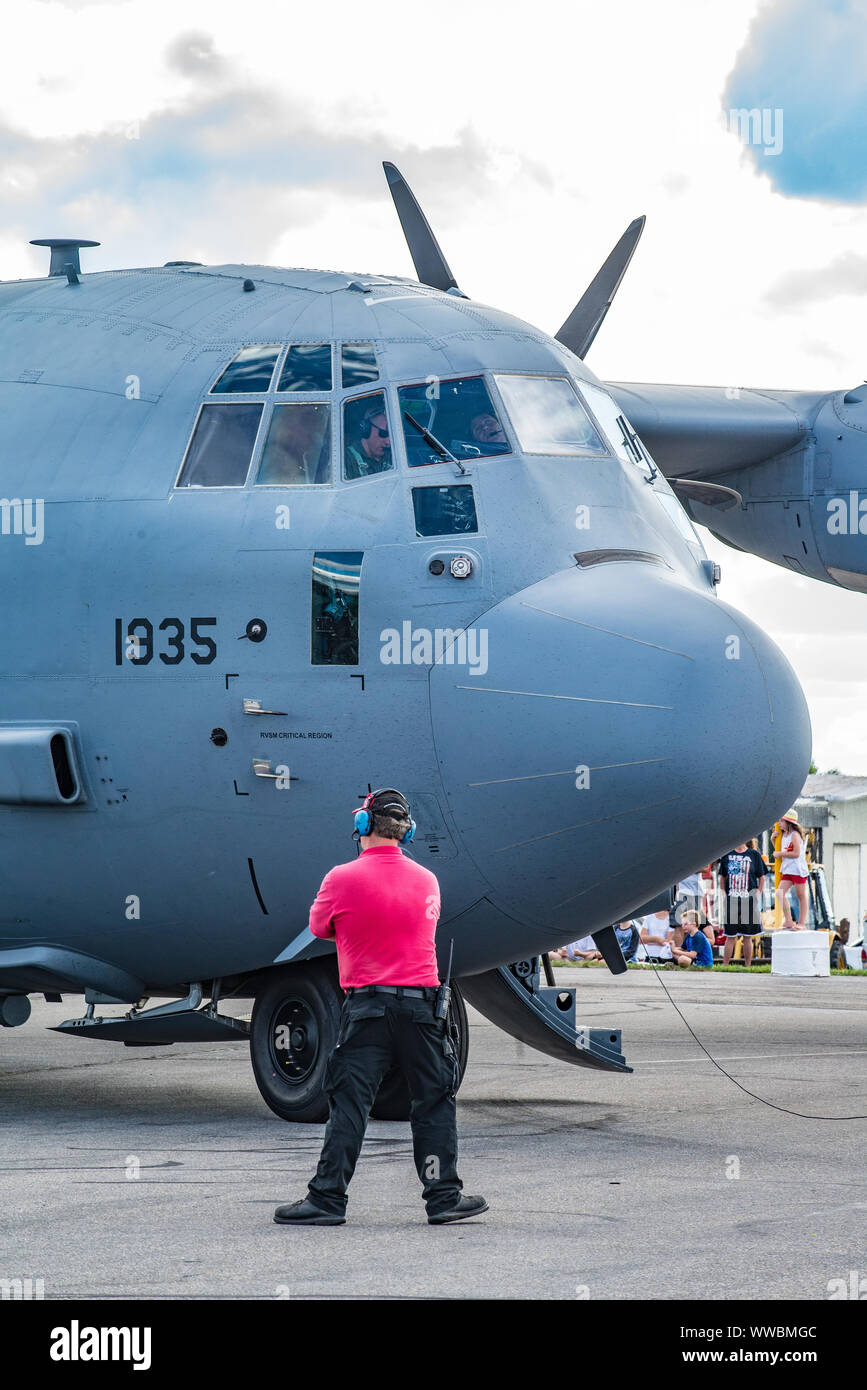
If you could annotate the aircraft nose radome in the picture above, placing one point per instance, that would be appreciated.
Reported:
(609, 731)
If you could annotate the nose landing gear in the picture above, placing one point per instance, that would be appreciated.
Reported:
(293, 1030)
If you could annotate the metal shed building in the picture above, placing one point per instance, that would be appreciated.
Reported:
(837, 805)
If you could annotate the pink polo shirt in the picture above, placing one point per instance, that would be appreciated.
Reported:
(382, 910)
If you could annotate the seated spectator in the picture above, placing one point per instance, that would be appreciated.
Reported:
(628, 936)
(585, 949)
(655, 934)
(696, 949)
(704, 927)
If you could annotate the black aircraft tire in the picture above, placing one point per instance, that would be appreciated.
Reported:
(304, 1004)
(838, 960)
(392, 1102)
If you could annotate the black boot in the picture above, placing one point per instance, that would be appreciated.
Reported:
(466, 1206)
(304, 1213)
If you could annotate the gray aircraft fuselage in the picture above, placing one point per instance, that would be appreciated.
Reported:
(587, 731)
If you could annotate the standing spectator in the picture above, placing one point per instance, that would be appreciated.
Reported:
(741, 874)
(793, 872)
(688, 897)
(696, 949)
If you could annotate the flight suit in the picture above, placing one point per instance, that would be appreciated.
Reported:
(378, 1031)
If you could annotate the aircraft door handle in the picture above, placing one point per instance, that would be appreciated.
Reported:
(262, 768)
(255, 707)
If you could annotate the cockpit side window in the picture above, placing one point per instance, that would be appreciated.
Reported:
(547, 415)
(675, 512)
(251, 370)
(366, 436)
(334, 618)
(358, 365)
(221, 448)
(622, 436)
(458, 413)
(307, 368)
(298, 447)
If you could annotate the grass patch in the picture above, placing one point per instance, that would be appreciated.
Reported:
(735, 969)
(669, 965)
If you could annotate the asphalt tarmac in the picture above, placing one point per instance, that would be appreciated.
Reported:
(153, 1172)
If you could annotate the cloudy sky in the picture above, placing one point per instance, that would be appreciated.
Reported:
(532, 133)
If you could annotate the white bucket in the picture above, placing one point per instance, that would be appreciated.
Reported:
(800, 953)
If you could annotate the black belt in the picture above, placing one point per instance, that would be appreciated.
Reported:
(422, 992)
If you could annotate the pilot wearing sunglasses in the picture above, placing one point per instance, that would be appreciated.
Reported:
(370, 452)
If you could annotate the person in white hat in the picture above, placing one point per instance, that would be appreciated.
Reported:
(793, 872)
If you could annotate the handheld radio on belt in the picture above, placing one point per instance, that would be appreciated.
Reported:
(444, 993)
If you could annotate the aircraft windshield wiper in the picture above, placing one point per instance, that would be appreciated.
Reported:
(432, 441)
(635, 448)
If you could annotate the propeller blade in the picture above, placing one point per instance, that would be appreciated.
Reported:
(585, 320)
(606, 943)
(431, 266)
(711, 494)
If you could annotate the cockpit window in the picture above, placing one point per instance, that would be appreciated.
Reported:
(298, 447)
(220, 450)
(675, 512)
(251, 370)
(547, 415)
(444, 511)
(307, 368)
(334, 625)
(358, 365)
(622, 436)
(459, 414)
(366, 436)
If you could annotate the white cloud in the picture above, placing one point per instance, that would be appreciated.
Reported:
(532, 136)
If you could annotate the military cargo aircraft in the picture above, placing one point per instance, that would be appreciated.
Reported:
(274, 537)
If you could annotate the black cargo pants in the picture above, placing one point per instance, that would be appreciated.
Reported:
(378, 1031)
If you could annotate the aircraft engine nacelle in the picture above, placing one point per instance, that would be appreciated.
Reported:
(797, 460)
(805, 509)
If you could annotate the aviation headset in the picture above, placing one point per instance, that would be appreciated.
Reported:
(396, 802)
(367, 420)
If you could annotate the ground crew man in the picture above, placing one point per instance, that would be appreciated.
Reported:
(382, 910)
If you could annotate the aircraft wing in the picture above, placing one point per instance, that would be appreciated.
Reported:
(705, 431)
(777, 473)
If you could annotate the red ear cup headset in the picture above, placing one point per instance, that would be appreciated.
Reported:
(387, 799)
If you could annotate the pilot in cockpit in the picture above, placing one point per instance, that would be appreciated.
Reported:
(370, 449)
(488, 433)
